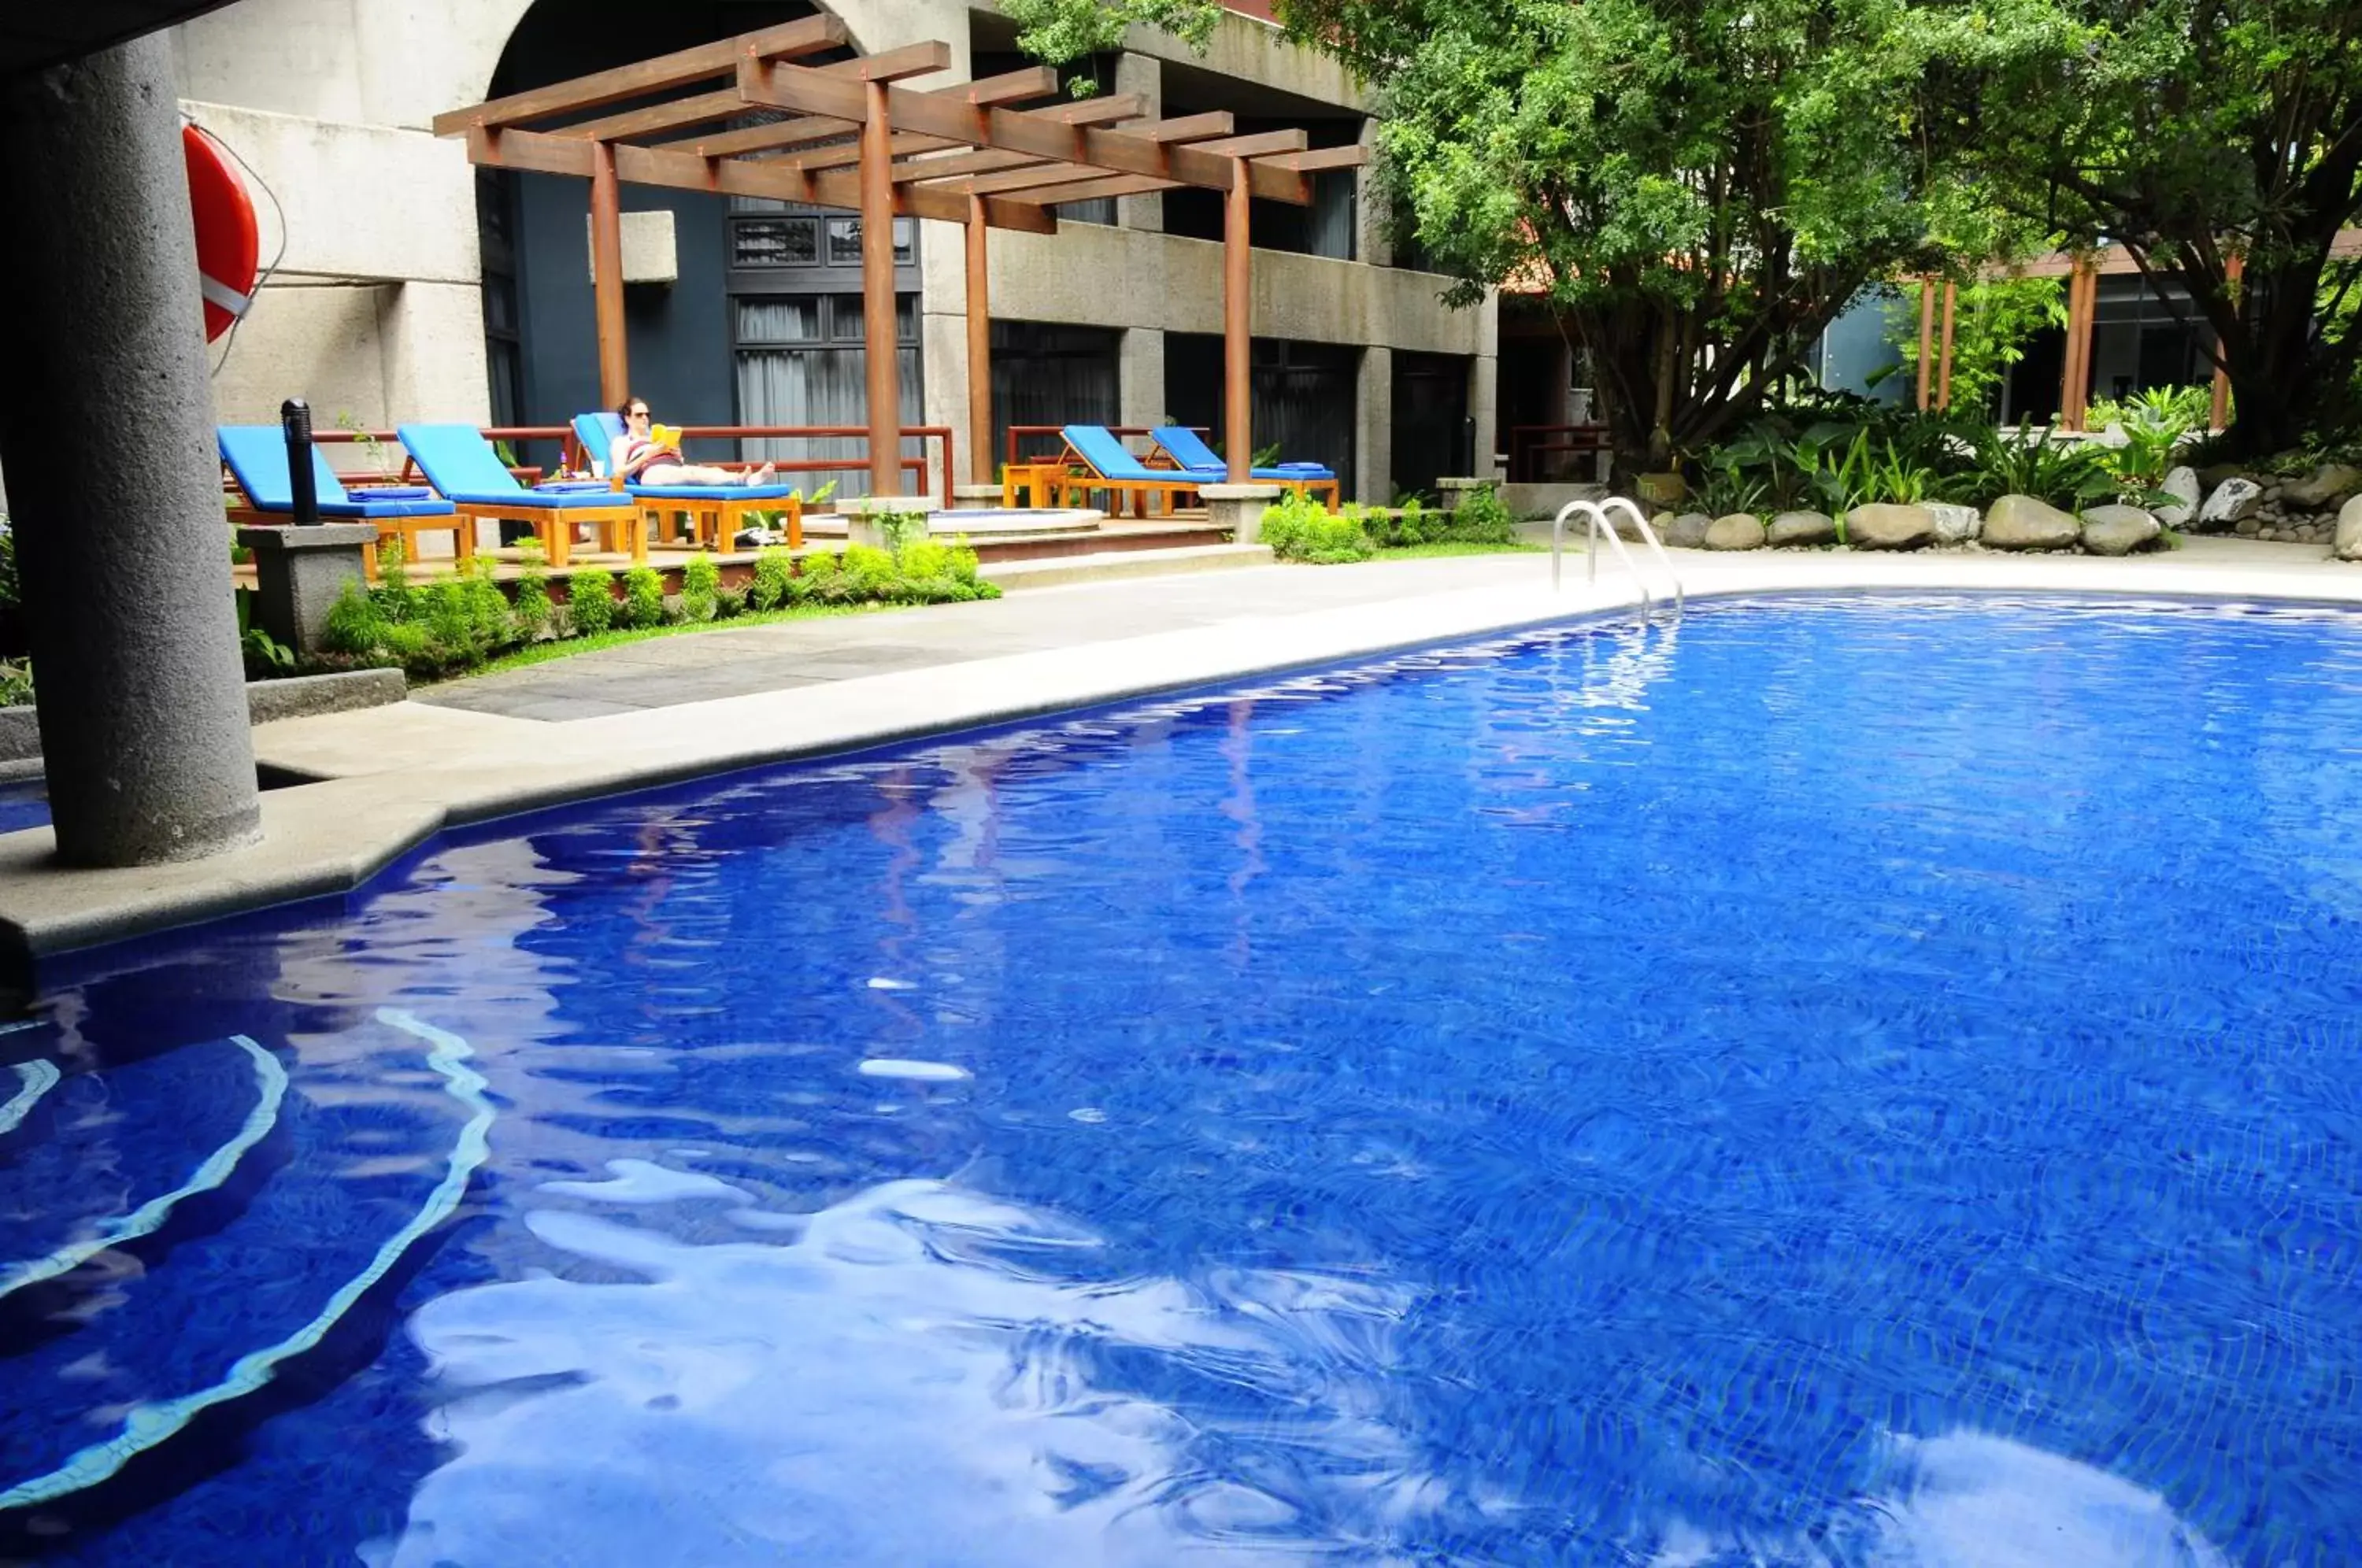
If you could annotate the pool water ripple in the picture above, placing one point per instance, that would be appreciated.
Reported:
(1849, 1082)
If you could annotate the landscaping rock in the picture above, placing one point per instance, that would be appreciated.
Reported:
(1689, 530)
(2213, 474)
(1889, 527)
(2349, 546)
(2118, 530)
(2021, 523)
(2248, 527)
(1801, 528)
(1955, 525)
(1734, 531)
(2182, 485)
(2330, 482)
(2234, 500)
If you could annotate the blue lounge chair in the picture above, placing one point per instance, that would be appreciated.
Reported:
(1190, 454)
(458, 461)
(1108, 466)
(257, 457)
(725, 507)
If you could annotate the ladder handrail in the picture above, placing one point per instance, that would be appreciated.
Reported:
(1595, 519)
(1649, 535)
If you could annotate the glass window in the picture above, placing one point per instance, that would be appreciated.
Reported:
(906, 241)
(845, 318)
(785, 318)
(775, 242)
(844, 241)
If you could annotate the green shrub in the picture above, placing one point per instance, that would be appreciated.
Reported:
(1481, 518)
(591, 602)
(1298, 529)
(355, 625)
(644, 602)
(775, 580)
(730, 603)
(531, 610)
(700, 587)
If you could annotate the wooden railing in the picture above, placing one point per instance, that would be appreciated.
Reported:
(564, 435)
(1529, 443)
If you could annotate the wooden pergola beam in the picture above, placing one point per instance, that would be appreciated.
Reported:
(1092, 111)
(779, 85)
(541, 153)
(892, 65)
(790, 39)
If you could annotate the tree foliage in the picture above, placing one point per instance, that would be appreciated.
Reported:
(1697, 187)
(1058, 31)
(2188, 131)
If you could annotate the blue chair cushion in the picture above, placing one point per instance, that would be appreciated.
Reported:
(1097, 446)
(257, 456)
(369, 507)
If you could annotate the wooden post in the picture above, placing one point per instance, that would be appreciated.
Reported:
(1944, 360)
(2233, 267)
(1926, 337)
(2075, 379)
(607, 276)
(1237, 365)
(878, 324)
(979, 348)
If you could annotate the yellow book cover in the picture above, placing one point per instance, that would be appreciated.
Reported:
(666, 435)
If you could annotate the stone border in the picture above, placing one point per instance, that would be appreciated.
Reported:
(333, 837)
(267, 702)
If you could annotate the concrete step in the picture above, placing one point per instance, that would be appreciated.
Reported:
(1108, 564)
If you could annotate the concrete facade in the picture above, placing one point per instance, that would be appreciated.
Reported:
(376, 312)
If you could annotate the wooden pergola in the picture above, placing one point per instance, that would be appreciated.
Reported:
(848, 136)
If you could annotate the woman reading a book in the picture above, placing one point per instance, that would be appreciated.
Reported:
(649, 454)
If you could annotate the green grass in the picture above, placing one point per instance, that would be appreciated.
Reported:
(542, 652)
(1455, 548)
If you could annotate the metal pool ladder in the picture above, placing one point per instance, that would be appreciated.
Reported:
(1596, 522)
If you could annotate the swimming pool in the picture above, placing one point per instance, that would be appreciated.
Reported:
(1850, 1081)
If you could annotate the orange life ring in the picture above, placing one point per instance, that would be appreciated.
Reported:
(229, 244)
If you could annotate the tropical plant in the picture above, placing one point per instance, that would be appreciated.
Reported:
(2067, 474)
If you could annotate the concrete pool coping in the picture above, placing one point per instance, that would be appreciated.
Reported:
(390, 777)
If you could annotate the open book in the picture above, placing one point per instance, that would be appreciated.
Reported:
(666, 435)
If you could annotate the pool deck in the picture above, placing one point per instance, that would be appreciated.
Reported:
(675, 708)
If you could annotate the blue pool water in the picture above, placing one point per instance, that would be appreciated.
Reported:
(1851, 1082)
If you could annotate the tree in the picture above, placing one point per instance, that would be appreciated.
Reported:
(1060, 31)
(2191, 131)
(1697, 187)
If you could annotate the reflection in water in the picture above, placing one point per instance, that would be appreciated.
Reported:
(913, 1378)
(1969, 1500)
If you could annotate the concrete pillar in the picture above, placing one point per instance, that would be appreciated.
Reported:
(301, 573)
(107, 429)
(1143, 74)
(1370, 244)
(1239, 508)
(1140, 378)
(1483, 390)
(1373, 430)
